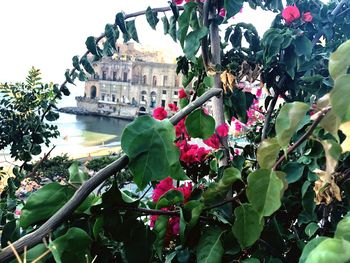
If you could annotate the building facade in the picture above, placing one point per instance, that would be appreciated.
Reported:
(129, 83)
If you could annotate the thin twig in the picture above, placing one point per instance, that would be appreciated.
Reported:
(36, 167)
(268, 116)
(227, 200)
(306, 135)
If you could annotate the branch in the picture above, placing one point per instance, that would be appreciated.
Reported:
(36, 167)
(61, 215)
(227, 200)
(268, 116)
(291, 148)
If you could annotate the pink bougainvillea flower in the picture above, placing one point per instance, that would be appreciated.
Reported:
(160, 113)
(173, 107)
(259, 93)
(178, 2)
(222, 130)
(222, 12)
(290, 13)
(307, 17)
(182, 94)
(238, 126)
(213, 141)
(162, 187)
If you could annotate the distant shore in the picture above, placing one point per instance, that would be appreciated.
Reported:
(80, 111)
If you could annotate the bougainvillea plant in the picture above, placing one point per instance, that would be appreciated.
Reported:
(261, 173)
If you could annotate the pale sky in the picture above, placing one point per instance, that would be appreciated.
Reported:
(48, 33)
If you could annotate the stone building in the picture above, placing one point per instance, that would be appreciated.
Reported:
(129, 83)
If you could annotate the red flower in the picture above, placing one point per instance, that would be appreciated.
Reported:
(162, 187)
(173, 107)
(160, 113)
(178, 2)
(222, 130)
(182, 94)
(213, 141)
(307, 17)
(222, 12)
(290, 13)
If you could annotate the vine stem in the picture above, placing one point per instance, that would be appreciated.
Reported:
(321, 115)
(84, 190)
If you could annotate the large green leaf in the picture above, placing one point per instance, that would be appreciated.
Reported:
(288, 120)
(339, 61)
(209, 248)
(339, 98)
(219, 190)
(232, 7)
(294, 171)
(172, 28)
(72, 247)
(152, 17)
(248, 225)
(303, 46)
(184, 20)
(332, 151)
(166, 25)
(309, 247)
(132, 32)
(189, 217)
(34, 253)
(330, 250)
(343, 228)
(171, 197)
(92, 47)
(267, 153)
(43, 203)
(193, 42)
(76, 176)
(200, 125)
(144, 141)
(264, 191)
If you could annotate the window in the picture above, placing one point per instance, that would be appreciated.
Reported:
(102, 96)
(163, 103)
(144, 80)
(95, 76)
(113, 97)
(125, 77)
(175, 103)
(176, 93)
(164, 92)
(104, 75)
(165, 81)
(93, 92)
(154, 82)
(114, 76)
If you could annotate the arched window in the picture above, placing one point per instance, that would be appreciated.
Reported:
(93, 92)
(144, 79)
(154, 82)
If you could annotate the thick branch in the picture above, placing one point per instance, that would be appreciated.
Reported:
(61, 215)
(291, 148)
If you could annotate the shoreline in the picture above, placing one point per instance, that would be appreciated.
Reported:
(83, 112)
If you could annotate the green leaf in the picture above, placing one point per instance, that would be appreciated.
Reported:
(311, 245)
(183, 102)
(172, 28)
(76, 176)
(332, 151)
(87, 65)
(267, 153)
(294, 171)
(343, 228)
(171, 197)
(339, 98)
(166, 25)
(232, 7)
(130, 25)
(200, 125)
(287, 121)
(303, 46)
(34, 253)
(330, 250)
(264, 191)
(184, 22)
(45, 202)
(74, 246)
(92, 47)
(193, 41)
(68, 78)
(209, 248)
(144, 140)
(208, 81)
(75, 61)
(120, 21)
(112, 35)
(194, 23)
(65, 90)
(152, 17)
(248, 225)
(160, 228)
(10, 233)
(311, 229)
(219, 190)
(339, 61)
(189, 217)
